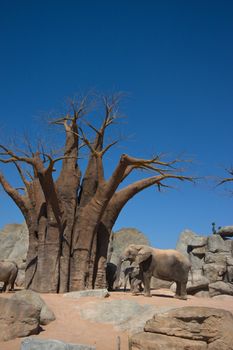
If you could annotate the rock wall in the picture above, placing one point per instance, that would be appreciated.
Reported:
(211, 258)
(14, 246)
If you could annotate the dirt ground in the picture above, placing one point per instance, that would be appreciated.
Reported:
(69, 327)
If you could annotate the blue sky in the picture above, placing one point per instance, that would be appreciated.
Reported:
(173, 59)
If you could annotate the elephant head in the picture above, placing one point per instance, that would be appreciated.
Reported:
(137, 253)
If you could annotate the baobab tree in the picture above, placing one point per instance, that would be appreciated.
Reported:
(70, 216)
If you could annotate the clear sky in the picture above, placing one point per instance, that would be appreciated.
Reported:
(174, 58)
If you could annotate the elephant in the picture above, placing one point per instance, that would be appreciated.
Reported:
(132, 273)
(8, 274)
(169, 265)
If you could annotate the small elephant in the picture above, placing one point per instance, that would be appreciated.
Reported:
(8, 274)
(133, 274)
(169, 265)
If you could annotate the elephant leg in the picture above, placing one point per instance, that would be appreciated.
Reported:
(180, 290)
(183, 291)
(133, 286)
(6, 287)
(125, 282)
(147, 279)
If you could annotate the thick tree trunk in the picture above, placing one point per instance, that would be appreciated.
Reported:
(43, 259)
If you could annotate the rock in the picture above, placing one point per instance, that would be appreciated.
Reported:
(220, 287)
(98, 293)
(122, 314)
(219, 258)
(189, 238)
(216, 244)
(229, 274)
(195, 261)
(214, 272)
(230, 260)
(14, 242)
(52, 344)
(202, 294)
(17, 319)
(229, 298)
(151, 341)
(197, 282)
(199, 251)
(33, 298)
(193, 328)
(226, 231)
(14, 239)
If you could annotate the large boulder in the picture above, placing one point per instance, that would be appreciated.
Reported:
(14, 240)
(33, 298)
(214, 272)
(216, 244)
(193, 328)
(220, 287)
(188, 241)
(18, 319)
(226, 231)
(198, 282)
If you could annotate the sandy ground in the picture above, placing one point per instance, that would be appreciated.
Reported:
(69, 327)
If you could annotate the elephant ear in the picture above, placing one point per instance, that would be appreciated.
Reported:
(143, 255)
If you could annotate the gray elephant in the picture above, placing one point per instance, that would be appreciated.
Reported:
(8, 274)
(169, 265)
(132, 273)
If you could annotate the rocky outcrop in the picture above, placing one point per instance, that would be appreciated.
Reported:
(18, 319)
(194, 328)
(14, 246)
(33, 298)
(211, 258)
(226, 231)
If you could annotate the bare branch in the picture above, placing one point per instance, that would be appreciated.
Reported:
(20, 171)
(20, 201)
(13, 157)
